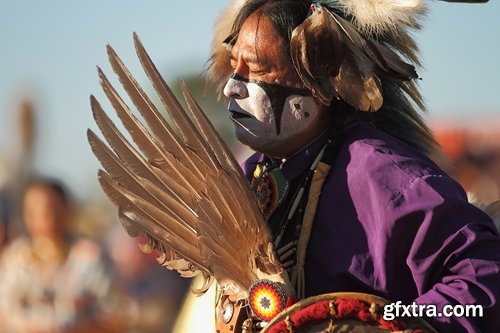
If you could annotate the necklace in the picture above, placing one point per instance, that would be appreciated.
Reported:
(271, 188)
(299, 195)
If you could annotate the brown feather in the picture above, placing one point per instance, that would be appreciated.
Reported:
(134, 161)
(142, 187)
(317, 51)
(209, 134)
(130, 226)
(159, 126)
(160, 157)
(179, 236)
(361, 90)
(334, 60)
(192, 138)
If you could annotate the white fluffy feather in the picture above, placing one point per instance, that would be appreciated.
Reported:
(380, 17)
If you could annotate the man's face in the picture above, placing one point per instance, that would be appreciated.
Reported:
(271, 111)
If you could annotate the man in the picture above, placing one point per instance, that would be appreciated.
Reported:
(341, 175)
(388, 221)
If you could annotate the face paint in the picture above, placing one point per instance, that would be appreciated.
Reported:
(268, 115)
(271, 113)
(277, 96)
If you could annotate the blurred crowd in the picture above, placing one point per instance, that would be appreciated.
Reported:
(472, 149)
(54, 280)
(67, 265)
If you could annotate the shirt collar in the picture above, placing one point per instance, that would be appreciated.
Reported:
(300, 161)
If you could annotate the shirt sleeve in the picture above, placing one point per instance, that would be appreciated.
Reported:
(454, 256)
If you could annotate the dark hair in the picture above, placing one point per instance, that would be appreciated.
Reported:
(284, 15)
(53, 184)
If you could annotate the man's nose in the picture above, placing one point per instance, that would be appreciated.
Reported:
(235, 88)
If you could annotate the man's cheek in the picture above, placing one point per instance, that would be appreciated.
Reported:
(260, 104)
(298, 114)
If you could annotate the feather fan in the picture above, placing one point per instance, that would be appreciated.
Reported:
(180, 186)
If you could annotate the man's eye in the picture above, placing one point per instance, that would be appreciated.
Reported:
(256, 71)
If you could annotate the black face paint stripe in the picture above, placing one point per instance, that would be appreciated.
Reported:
(277, 96)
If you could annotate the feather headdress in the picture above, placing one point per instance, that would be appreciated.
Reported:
(180, 186)
(376, 66)
(388, 20)
(381, 17)
(358, 51)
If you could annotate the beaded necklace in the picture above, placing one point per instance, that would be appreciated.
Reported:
(304, 202)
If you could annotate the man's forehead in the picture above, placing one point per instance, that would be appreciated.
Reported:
(248, 56)
(257, 41)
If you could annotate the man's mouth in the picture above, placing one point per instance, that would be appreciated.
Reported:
(237, 115)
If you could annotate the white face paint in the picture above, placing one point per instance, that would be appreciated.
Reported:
(254, 118)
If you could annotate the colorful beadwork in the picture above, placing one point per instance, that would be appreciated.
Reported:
(266, 299)
(271, 188)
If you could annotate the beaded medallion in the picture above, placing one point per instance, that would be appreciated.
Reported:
(266, 299)
(271, 187)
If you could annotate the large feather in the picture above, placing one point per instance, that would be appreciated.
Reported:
(180, 185)
(335, 61)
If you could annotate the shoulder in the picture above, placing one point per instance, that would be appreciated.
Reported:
(375, 151)
(379, 180)
(381, 165)
(19, 250)
(379, 176)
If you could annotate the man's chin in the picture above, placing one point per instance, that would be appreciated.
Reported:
(263, 144)
(248, 139)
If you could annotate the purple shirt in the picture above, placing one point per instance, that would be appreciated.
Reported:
(390, 222)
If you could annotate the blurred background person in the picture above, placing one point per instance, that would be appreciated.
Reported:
(5, 209)
(150, 295)
(50, 282)
(4, 219)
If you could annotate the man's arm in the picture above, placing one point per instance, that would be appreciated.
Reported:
(455, 254)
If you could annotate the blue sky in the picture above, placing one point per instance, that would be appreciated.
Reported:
(50, 50)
